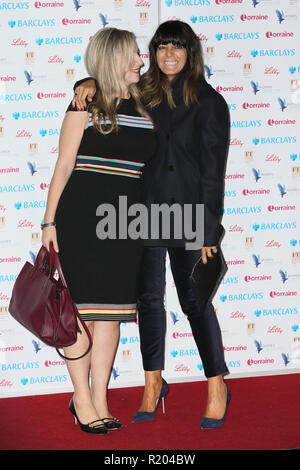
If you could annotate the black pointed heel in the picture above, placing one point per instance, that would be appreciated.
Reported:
(89, 428)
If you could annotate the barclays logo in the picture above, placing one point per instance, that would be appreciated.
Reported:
(188, 352)
(17, 188)
(294, 69)
(212, 19)
(49, 132)
(230, 280)
(242, 297)
(30, 205)
(275, 140)
(275, 226)
(15, 97)
(14, 6)
(237, 36)
(230, 193)
(32, 23)
(44, 379)
(242, 210)
(19, 366)
(130, 340)
(8, 278)
(62, 41)
(273, 52)
(274, 312)
(243, 124)
(187, 3)
(41, 114)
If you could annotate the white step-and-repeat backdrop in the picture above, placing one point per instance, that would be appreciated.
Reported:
(251, 58)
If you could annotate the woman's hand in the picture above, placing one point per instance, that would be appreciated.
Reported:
(84, 91)
(207, 251)
(49, 235)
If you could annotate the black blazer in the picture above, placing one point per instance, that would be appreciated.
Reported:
(189, 165)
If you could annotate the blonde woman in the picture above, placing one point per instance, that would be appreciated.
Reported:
(102, 152)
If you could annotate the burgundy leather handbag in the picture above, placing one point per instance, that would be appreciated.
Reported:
(43, 304)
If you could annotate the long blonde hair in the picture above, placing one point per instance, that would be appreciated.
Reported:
(100, 62)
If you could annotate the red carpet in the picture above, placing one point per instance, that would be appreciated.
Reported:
(264, 414)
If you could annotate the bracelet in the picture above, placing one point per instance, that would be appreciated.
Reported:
(49, 224)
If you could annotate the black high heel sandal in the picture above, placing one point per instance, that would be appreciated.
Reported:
(112, 423)
(96, 429)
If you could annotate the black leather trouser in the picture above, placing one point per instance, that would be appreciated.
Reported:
(152, 315)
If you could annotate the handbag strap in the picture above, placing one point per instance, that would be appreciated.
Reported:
(45, 255)
(56, 264)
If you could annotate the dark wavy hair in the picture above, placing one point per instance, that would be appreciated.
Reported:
(154, 81)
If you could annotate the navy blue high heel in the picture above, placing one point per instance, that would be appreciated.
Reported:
(141, 416)
(210, 423)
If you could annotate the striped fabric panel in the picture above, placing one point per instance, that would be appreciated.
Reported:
(111, 166)
(129, 121)
(107, 312)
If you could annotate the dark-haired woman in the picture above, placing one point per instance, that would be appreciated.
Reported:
(193, 132)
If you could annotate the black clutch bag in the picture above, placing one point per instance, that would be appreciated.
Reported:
(205, 278)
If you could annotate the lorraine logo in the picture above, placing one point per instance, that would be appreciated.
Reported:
(255, 3)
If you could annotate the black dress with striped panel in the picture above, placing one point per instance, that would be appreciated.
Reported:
(103, 274)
